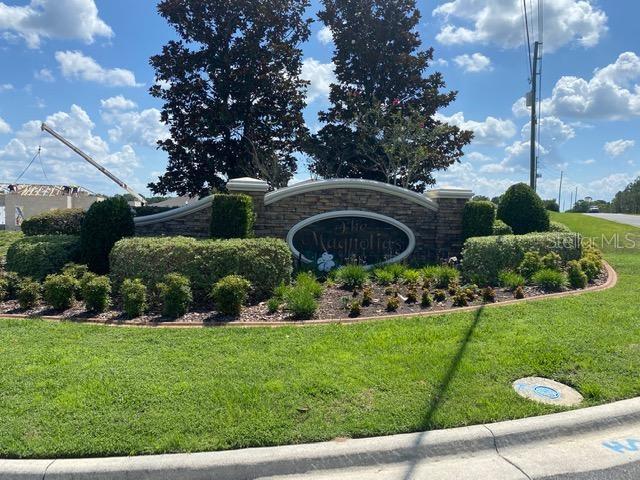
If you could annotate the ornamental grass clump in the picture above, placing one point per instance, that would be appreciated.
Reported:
(59, 291)
(230, 293)
(352, 276)
(441, 276)
(511, 280)
(175, 295)
(28, 293)
(550, 280)
(134, 297)
(382, 276)
(96, 292)
(577, 278)
(308, 281)
(301, 302)
(411, 277)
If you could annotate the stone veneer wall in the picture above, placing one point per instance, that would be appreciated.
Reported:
(438, 230)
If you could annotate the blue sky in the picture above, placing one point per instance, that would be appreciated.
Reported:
(82, 65)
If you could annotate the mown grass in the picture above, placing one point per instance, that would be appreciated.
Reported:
(82, 390)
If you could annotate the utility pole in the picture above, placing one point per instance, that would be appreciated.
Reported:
(576, 197)
(533, 164)
(560, 190)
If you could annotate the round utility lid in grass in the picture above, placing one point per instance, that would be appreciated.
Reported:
(546, 391)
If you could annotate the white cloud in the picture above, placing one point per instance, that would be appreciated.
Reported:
(5, 87)
(321, 76)
(79, 66)
(325, 35)
(499, 22)
(440, 62)
(118, 103)
(139, 128)
(613, 93)
(63, 19)
(473, 63)
(477, 157)
(618, 147)
(552, 130)
(492, 131)
(44, 75)
(61, 164)
(4, 126)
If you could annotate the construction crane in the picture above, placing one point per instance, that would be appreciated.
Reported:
(64, 141)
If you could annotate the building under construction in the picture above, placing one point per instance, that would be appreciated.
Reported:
(19, 202)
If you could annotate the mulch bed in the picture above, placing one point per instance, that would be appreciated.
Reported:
(331, 307)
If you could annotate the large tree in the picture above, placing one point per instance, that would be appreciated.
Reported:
(380, 71)
(232, 92)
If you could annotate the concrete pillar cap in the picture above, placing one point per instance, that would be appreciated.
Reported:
(450, 193)
(247, 184)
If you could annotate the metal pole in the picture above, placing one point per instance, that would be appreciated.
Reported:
(560, 190)
(534, 118)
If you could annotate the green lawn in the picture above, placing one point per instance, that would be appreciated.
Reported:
(82, 390)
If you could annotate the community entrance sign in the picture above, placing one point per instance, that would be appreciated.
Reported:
(335, 238)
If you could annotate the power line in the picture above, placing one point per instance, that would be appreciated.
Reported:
(527, 36)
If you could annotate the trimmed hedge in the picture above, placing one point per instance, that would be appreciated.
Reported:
(501, 228)
(478, 218)
(106, 223)
(483, 258)
(232, 216)
(522, 209)
(55, 222)
(558, 227)
(265, 262)
(42, 255)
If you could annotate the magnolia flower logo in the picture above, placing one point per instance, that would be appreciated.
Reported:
(325, 262)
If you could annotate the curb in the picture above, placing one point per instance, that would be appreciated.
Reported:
(612, 280)
(301, 459)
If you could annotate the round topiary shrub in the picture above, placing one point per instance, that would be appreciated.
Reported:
(28, 294)
(523, 210)
(59, 291)
(134, 297)
(478, 218)
(230, 293)
(175, 294)
(96, 292)
(106, 222)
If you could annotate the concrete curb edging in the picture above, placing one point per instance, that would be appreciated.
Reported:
(612, 280)
(300, 459)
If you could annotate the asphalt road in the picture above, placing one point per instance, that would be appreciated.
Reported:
(633, 220)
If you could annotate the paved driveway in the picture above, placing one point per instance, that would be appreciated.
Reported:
(618, 217)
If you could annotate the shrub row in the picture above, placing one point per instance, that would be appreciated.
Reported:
(485, 257)
(264, 262)
(42, 255)
(54, 222)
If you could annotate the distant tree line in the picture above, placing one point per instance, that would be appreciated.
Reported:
(234, 96)
(627, 200)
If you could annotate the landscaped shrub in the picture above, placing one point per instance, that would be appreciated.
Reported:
(3, 289)
(383, 276)
(550, 280)
(460, 299)
(522, 209)
(42, 255)
(367, 296)
(530, 264)
(590, 267)
(411, 276)
(175, 295)
(426, 300)
(106, 222)
(28, 294)
(96, 292)
(54, 222)
(300, 302)
(273, 305)
(501, 228)
(308, 281)
(59, 291)
(519, 293)
(552, 261)
(441, 276)
(511, 280)
(355, 309)
(478, 218)
(484, 257)
(439, 295)
(412, 295)
(230, 293)
(396, 270)
(393, 304)
(558, 227)
(232, 216)
(577, 278)
(11, 282)
(488, 295)
(134, 297)
(75, 270)
(352, 276)
(265, 262)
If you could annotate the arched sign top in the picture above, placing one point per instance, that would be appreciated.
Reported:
(350, 183)
(334, 238)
